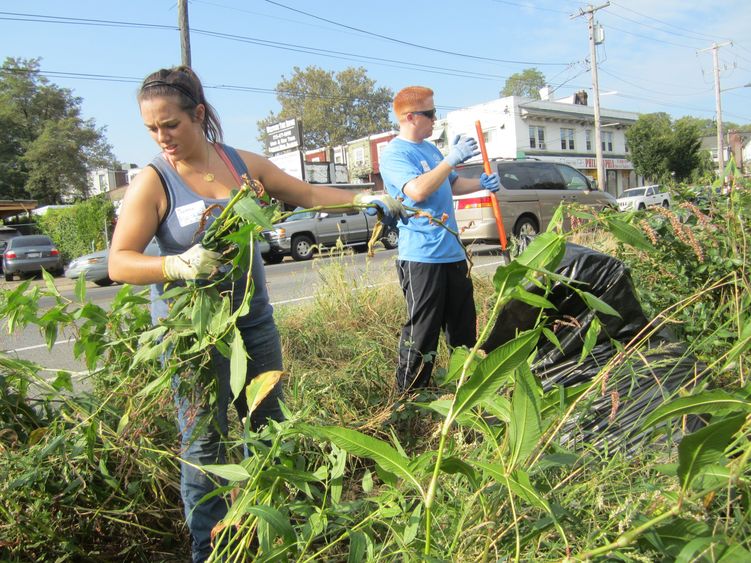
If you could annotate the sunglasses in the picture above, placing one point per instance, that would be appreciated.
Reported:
(429, 113)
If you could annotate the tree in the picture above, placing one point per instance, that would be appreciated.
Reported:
(662, 149)
(334, 108)
(46, 147)
(526, 83)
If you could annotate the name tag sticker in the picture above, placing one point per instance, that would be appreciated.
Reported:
(190, 214)
(425, 166)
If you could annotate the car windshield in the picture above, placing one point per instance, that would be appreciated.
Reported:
(633, 192)
(21, 242)
(300, 216)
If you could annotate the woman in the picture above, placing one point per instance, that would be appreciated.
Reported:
(166, 201)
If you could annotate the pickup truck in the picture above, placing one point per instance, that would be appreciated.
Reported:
(636, 199)
(300, 234)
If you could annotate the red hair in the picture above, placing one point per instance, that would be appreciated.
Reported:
(410, 99)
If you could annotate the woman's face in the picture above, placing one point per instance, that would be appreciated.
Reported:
(176, 132)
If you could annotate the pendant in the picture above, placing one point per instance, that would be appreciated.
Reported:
(209, 177)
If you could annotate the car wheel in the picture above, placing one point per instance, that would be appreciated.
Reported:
(302, 248)
(8, 277)
(273, 258)
(104, 282)
(391, 239)
(641, 207)
(526, 226)
(666, 204)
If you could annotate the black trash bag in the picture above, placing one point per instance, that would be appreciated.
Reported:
(641, 379)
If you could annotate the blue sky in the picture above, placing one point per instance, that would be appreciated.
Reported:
(463, 50)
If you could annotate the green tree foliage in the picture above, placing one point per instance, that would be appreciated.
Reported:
(526, 83)
(79, 229)
(334, 107)
(46, 147)
(662, 149)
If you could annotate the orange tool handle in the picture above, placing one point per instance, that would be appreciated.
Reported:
(493, 198)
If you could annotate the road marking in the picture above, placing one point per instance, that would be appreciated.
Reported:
(37, 346)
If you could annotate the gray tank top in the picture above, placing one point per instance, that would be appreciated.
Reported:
(177, 233)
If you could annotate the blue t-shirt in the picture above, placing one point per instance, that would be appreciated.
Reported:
(419, 241)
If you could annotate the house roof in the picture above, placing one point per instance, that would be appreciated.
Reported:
(547, 108)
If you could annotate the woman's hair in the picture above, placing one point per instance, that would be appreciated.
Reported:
(182, 83)
(409, 99)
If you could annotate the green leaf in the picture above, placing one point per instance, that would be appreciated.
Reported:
(238, 363)
(522, 487)
(413, 525)
(80, 289)
(627, 233)
(556, 221)
(716, 402)
(276, 520)
(201, 314)
(590, 339)
(228, 471)
(156, 386)
(456, 363)
(357, 547)
(49, 281)
(493, 370)
(453, 465)
(506, 278)
(531, 299)
(705, 447)
(545, 251)
(525, 427)
(597, 304)
(363, 445)
(248, 209)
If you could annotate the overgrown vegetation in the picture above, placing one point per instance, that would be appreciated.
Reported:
(80, 229)
(472, 471)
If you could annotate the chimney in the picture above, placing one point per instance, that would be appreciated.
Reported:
(580, 98)
(545, 92)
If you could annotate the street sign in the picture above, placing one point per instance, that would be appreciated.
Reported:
(283, 136)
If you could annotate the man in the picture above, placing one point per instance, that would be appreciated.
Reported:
(431, 267)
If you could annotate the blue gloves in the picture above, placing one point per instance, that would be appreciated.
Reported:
(391, 208)
(462, 148)
(491, 183)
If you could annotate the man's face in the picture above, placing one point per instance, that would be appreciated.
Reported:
(424, 123)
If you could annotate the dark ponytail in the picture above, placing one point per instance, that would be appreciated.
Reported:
(182, 83)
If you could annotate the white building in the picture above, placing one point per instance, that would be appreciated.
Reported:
(561, 131)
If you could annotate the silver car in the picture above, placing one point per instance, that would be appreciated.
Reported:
(93, 266)
(27, 254)
(530, 192)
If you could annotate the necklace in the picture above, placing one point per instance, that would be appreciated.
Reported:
(209, 177)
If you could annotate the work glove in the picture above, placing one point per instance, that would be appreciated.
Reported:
(462, 148)
(392, 208)
(491, 183)
(194, 263)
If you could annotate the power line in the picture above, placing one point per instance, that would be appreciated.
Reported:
(416, 45)
(662, 22)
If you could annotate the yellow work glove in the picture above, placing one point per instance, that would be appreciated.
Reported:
(194, 263)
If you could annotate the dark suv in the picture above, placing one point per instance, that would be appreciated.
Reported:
(530, 192)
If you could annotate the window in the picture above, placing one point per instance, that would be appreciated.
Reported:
(379, 149)
(358, 155)
(607, 141)
(567, 139)
(626, 145)
(573, 179)
(536, 137)
(588, 139)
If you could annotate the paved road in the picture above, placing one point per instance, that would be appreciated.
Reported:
(289, 283)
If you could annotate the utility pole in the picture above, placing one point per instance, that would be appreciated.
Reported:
(182, 21)
(718, 101)
(590, 12)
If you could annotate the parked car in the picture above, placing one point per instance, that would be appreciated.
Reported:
(300, 234)
(635, 199)
(530, 192)
(26, 254)
(94, 266)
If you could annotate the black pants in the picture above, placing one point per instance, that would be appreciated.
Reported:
(439, 296)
